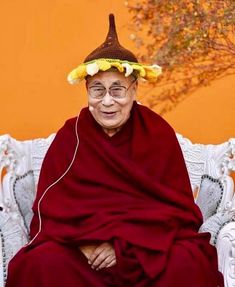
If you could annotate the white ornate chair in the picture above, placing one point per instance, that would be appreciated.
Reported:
(209, 168)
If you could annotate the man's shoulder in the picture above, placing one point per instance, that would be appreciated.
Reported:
(157, 119)
(67, 129)
(71, 121)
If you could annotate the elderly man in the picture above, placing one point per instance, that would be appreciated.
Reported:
(114, 205)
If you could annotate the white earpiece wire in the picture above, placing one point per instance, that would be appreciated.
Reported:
(55, 182)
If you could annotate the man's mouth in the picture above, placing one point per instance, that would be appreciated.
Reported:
(108, 113)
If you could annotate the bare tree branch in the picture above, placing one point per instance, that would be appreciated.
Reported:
(193, 41)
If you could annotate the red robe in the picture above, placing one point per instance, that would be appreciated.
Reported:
(131, 189)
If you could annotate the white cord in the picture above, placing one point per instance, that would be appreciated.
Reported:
(55, 182)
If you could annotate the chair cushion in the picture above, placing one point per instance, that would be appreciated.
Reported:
(209, 196)
(24, 193)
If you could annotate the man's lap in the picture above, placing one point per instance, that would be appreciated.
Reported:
(53, 264)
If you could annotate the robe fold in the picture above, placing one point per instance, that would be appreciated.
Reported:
(131, 189)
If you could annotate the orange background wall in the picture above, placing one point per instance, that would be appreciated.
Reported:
(41, 41)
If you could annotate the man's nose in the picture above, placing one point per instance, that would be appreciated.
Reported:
(107, 99)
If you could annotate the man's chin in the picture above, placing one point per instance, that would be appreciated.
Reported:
(110, 124)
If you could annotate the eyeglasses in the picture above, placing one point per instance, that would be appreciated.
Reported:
(116, 92)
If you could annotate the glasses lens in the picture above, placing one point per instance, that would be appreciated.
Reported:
(97, 92)
(117, 92)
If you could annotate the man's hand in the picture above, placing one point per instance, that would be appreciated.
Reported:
(103, 256)
(87, 250)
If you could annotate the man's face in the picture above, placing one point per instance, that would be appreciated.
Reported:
(110, 98)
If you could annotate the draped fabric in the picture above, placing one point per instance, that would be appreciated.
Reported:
(131, 189)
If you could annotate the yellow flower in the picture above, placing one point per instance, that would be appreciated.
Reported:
(149, 73)
(157, 69)
(72, 77)
(118, 66)
(73, 74)
(103, 65)
(152, 72)
(140, 69)
(81, 72)
(76, 75)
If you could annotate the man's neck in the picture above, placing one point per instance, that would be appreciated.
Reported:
(111, 132)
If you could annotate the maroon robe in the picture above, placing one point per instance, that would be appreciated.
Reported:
(131, 189)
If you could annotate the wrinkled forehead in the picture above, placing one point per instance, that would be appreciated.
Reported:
(109, 77)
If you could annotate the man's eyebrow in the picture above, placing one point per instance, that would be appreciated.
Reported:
(96, 83)
(116, 83)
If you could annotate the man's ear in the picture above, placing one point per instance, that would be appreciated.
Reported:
(86, 83)
(134, 90)
(135, 86)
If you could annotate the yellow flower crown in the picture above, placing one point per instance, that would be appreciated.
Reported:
(149, 73)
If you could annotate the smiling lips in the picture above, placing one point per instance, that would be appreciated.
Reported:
(108, 114)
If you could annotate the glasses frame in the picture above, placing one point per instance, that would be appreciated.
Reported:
(108, 91)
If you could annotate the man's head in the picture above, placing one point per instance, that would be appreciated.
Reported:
(110, 98)
(111, 54)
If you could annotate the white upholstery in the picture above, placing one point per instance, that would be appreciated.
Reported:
(210, 196)
(209, 168)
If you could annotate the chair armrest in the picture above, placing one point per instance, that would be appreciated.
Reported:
(3, 267)
(13, 237)
(15, 163)
(195, 156)
(39, 148)
(226, 253)
(215, 223)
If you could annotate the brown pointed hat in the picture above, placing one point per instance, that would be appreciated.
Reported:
(112, 55)
(111, 47)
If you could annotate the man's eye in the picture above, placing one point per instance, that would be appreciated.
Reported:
(117, 89)
(97, 89)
